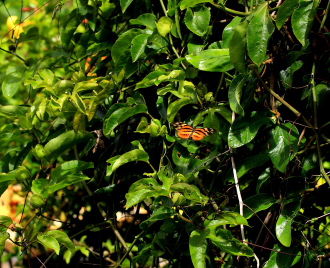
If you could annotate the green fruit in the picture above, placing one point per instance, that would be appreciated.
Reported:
(37, 201)
(22, 174)
(39, 152)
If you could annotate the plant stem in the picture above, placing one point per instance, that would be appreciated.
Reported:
(318, 145)
(279, 98)
(104, 215)
(73, 236)
(325, 16)
(129, 250)
(163, 7)
(12, 54)
(238, 191)
(232, 11)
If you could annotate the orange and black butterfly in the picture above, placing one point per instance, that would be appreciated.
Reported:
(188, 132)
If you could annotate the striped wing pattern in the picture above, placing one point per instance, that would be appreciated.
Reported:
(186, 131)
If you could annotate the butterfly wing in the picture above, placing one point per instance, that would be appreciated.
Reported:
(184, 130)
(188, 132)
(201, 133)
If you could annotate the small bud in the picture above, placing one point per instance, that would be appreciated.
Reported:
(22, 174)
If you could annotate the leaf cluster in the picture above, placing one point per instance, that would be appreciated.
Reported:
(88, 104)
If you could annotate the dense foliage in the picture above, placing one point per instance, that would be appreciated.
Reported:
(90, 92)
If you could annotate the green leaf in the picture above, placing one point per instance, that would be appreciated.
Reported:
(49, 242)
(283, 144)
(55, 147)
(271, 263)
(139, 43)
(62, 238)
(288, 257)
(13, 111)
(146, 19)
(235, 93)
(68, 180)
(303, 18)
(260, 30)
(157, 77)
(125, 4)
(123, 43)
(84, 85)
(106, 193)
(164, 26)
(247, 164)
(136, 197)
(134, 155)
(244, 129)
(175, 106)
(237, 47)
(191, 3)
(69, 27)
(197, 248)
(146, 183)
(7, 177)
(70, 167)
(228, 32)
(285, 11)
(3, 239)
(190, 192)
(160, 214)
(226, 217)
(150, 80)
(165, 175)
(198, 19)
(12, 82)
(48, 76)
(287, 74)
(283, 224)
(120, 115)
(78, 102)
(257, 203)
(5, 222)
(39, 186)
(224, 240)
(212, 60)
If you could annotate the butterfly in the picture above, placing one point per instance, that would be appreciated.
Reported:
(188, 132)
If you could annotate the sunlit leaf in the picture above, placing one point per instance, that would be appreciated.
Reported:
(134, 155)
(303, 18)
(283, 224)
(260, 30)
(212, 60)
(49, 242)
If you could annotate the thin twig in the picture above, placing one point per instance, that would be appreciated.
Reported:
(325, 16)
(318, 145)
(238, 191)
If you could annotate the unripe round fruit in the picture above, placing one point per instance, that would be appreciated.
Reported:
(22, 174)
(37, 201)
(39, 152)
